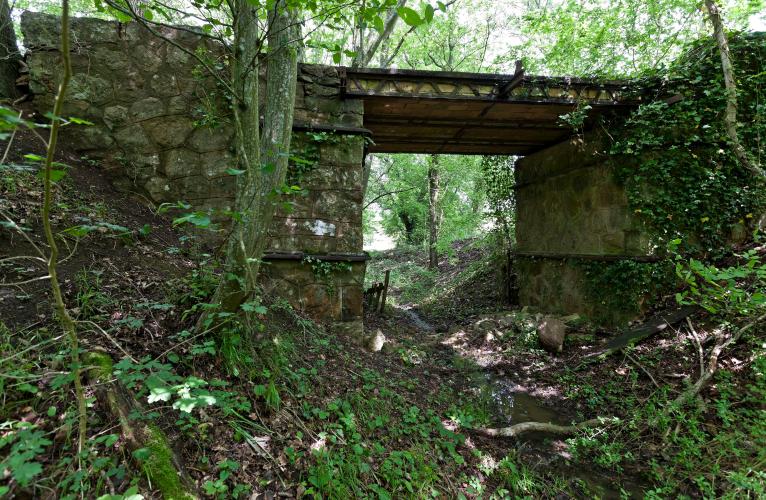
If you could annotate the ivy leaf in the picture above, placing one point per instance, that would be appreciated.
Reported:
(254, 307)
(377, 23)
(197, 218)
(234, 171)
(56, 175)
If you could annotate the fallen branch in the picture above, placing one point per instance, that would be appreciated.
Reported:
(652, 327)
(712, 364)
(564, 430)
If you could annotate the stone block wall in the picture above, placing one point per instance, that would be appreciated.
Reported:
(161, 131)
(570, 209)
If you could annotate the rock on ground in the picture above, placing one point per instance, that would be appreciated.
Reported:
(552, 331)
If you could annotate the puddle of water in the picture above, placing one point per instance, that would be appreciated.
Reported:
(514, 406)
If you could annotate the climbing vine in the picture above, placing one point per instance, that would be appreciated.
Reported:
(325, 271)
(306, 153)
(673, 157)
(622, 288)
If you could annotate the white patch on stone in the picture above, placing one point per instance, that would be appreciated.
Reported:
(321, 228)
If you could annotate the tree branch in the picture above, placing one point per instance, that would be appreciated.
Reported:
(386, 194)
(525, 427)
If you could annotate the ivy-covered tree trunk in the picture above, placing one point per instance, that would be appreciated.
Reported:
(264, 159)
(9, 53)
(433, 213)
(730, 115)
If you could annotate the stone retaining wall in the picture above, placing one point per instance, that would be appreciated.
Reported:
(162, 131)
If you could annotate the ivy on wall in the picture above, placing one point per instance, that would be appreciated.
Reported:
(621, 289)
(305, 154)
(674, 160)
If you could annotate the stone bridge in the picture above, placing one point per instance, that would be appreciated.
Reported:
(160, 129)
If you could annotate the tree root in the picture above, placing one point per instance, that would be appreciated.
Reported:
(162, 466)
(564, 430)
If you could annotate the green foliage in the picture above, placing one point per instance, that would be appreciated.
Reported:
(618, 38)
(22, 443)
(306, 153)
(679, 172)
(326, 271)
(498, 181)
(360, 430)
(222, 486)
(404, 212)
(622, 288)
(737, 291)
(91, 300)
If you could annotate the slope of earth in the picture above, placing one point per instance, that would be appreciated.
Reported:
(464, 285)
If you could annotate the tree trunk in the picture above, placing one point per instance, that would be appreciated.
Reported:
(433, 213)
(730, 116)
(264, 161)
(9, 53)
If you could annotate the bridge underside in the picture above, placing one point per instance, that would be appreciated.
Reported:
(410, 111)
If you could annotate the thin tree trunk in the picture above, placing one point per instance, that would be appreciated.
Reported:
(433, 213)
(264, 160)
(730, 116)
(9, 53)
(67, 324)
(231, 292)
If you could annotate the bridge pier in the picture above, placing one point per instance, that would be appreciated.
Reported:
(571, 212)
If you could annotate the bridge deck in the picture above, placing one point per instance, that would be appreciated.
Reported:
(412, 111)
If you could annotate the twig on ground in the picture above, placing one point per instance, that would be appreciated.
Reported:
(636, 362)
(696, 340)
(110, 338)
(712, 366)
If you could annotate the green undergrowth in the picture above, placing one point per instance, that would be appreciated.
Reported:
(708, 444)
(355, 430)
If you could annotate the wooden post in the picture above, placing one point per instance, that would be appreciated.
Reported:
(385, 292)
(376, 297)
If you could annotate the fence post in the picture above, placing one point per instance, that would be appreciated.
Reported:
(385, 292)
